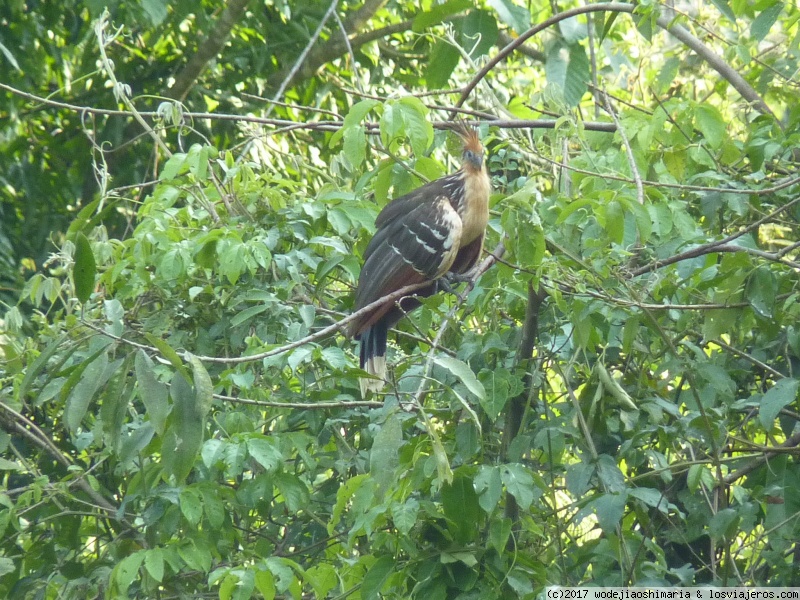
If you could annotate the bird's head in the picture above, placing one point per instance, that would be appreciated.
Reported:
(473, 154)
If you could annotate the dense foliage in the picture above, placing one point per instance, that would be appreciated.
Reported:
(612, 402)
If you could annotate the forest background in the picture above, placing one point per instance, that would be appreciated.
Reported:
(186, 189)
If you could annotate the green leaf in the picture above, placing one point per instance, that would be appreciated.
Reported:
(407, 117)
(462, 371)
(516, 17)
(478, 32)
(519, 483)
(489, 486)
(152, 392)
(384, 458)
(762, 291)
(84, 390)
(183, 439)
(376, 577)
(614, 221)
(355, 145)
(9, 57)
(248, 313)
(499, 532)
(609, 509)
(723, 524)
(567, 67)
(213, 508)
(578, 478)
(265, 583)
(711, 125)
(156, 11)
(780, 395)
(761, 25)
(264, 452)
(116, 400)
(323, 578)
(35, 368)
(203, 386)
(294, 491)
(460, 505)
(438, 13)
(699, 475)
(131, 445)
(6, 566)
(651, 497)
(191, 505)
(154, 563)
(84, 271)
(353, 119)
(610, 474)
(443, 60)
(169, 353)
(126, 571)
(404, 516)
(725, 9)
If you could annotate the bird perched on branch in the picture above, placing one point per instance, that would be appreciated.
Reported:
(436, 230)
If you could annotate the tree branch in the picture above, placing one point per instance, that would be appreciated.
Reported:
(681, 33)
(207, 50)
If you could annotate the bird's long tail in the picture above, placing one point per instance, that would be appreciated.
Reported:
(373, 357)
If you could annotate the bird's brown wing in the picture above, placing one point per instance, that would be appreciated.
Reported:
(414, 247)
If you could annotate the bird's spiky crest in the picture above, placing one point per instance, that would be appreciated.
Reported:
(469, 136)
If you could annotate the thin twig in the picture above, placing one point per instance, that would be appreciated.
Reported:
(303, 405)
(301, 59)
(121, 91)
(637, 178)
(713, 59)
(322, 333)
(723, 245)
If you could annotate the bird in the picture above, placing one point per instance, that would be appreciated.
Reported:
(434, 232)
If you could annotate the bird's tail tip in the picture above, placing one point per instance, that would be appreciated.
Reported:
(375, 365)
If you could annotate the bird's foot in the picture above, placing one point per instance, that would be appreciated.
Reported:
(449, 280)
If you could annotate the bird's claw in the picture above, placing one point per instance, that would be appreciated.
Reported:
(449, 280)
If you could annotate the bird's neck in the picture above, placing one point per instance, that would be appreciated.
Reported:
(475, 215)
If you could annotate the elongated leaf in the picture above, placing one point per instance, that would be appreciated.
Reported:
(39, 363)
(383, 460)
(376, 577)
(152, 392)
(265, 453)
(460, 504)
(443, 61)
(84, 390)
(725, 9)
(461, 370)
(711, 124)
(293, 490)
(777, 397)
(516, 17)
(478, 32)
(353, 119)
(203, 386)
(183, 439)
(765, 20)
(84, 271)
(169, 353)
(116, 400)
(609, 509)
(762, 290)
(439, 13)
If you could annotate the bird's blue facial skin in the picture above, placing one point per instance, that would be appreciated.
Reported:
(474, 158)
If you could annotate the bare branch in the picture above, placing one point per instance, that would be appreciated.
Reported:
(302, 58)
(207, 50)
(712, 58)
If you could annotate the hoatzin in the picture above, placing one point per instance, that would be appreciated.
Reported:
(436, 230)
